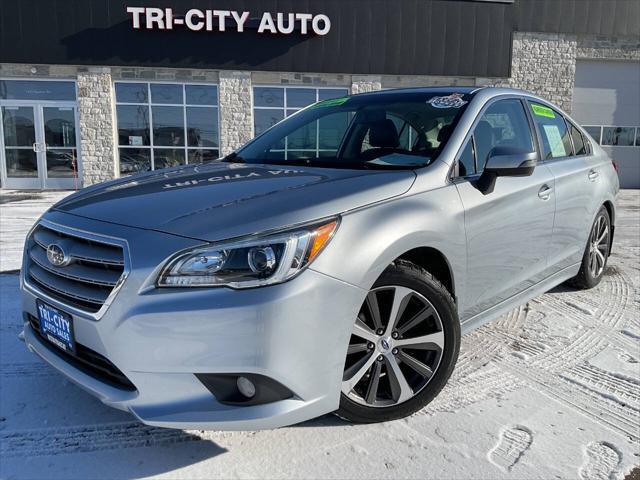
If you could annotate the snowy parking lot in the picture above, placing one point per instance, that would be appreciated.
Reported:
(550, 390)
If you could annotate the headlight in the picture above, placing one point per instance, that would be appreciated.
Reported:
(251, 262)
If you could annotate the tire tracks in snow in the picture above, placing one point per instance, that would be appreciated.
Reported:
(563, 371)
(90, 438)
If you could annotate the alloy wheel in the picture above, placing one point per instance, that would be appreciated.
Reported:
(395, 348)
(598, 246)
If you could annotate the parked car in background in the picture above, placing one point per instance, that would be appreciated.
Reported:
(331, 264)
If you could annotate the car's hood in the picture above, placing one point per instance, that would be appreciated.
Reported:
(224, 200)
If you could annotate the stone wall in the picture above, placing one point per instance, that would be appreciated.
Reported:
(301, 79)
(545, 64)
(97, 126)
(236, 115)
(365, 83)
(608, 48)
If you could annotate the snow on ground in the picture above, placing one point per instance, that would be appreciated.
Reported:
(550, 390)
(18, 212)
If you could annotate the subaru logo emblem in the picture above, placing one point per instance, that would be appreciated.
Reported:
(57, 256)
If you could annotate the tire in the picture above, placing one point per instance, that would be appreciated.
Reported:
(598, 248)
(426, 334)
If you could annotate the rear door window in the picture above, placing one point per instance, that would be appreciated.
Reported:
(556, 140)
(579, 144)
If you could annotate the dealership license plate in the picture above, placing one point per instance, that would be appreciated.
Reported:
(57, 327)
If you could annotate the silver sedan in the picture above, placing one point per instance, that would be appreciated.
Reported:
(330, 265)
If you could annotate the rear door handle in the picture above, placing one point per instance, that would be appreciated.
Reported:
(593, 174)
(545, 192)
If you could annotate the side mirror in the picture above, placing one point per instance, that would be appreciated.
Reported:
(506, 162)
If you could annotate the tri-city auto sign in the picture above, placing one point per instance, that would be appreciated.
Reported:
(153, 18)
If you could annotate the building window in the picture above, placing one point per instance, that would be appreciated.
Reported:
(594, 131)
(38, 90)
(618, 136)
(272, 104)
(614, 136)
(164, 125)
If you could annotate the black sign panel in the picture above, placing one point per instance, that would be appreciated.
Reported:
(403, 37)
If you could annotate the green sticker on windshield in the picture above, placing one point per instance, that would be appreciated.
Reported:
(542, 111)
(333, 102)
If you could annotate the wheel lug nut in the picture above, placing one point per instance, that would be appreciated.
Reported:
(395, 335)
(395, 351)
(380, 358)
(370, 345)
(379, 331)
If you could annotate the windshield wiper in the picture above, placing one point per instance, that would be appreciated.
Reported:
(233, 157)
(343, 164)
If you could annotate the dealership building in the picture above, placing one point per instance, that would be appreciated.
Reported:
(91, 90)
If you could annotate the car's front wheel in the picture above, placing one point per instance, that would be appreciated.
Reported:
(403, 347)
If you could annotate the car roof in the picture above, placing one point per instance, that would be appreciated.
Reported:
(481, 93)
(446, 89)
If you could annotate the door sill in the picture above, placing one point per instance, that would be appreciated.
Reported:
(510, 303)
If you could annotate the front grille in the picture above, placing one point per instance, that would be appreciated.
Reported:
(87, 361)
(96, 268)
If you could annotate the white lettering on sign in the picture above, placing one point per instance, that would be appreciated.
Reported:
(196, 20)
(194, 24)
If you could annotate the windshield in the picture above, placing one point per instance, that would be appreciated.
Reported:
(384, 131)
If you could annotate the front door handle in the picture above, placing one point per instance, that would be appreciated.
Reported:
(545, 192)
(593, 175)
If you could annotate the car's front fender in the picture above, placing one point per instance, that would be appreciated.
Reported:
(369, 239)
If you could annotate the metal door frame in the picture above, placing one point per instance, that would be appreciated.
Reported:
(42, 181)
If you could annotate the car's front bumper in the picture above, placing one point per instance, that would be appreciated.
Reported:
(295, 333)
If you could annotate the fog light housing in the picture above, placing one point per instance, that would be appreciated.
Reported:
(246, 387)
(243, 388)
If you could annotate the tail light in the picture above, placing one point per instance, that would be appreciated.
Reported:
(616, 166)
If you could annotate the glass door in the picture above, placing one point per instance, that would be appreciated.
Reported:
(39, 146)
(59, 150)
(20, 145)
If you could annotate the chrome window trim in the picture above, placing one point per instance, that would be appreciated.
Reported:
(87, 236)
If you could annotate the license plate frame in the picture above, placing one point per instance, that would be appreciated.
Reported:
(56, 327)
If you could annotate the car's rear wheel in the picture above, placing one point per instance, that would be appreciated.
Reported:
(403, 347)
(596, 253)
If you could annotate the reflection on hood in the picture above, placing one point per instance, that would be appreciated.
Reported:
(204, 201)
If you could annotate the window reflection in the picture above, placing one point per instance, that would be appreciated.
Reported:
(37, 90)
(133, 125)
(18, 125)
(618, 136)
(162, 125)
(615, 136)
(202, 126)
(134, 160)
(168, 126)
(59, 127)
(168, 157)
(273, 104)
